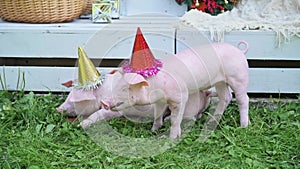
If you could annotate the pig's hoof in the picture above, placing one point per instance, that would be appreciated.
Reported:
(244, 124)
(155, 127)
(199, 116)
(175, 134)
(168, 118)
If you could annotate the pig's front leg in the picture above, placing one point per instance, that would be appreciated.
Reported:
(159, 110)
(177, 112)
(101, 114)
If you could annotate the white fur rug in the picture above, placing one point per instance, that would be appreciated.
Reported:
(281, 16)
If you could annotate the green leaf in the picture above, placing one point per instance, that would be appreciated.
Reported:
(33, 167)
(54, 163)
(6, 107)
(49, 128)
(79, 154)
(38, 128)
(232, 152)
(249, 161)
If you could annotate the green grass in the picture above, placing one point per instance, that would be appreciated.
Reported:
(33, 135)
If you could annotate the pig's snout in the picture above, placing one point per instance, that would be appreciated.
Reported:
(69, 109)
(105, 104)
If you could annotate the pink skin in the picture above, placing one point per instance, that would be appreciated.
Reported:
(86, 103)
(197, 103)
(81, 102)
(131, 113)
(67, 106)
(218, 65)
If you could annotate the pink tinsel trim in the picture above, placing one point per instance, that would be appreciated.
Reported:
(146, 72)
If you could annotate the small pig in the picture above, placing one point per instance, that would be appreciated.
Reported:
(218, 65)
(197, 103)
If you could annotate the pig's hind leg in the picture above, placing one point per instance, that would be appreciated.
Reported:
(224, 96)
(239, 85)
(243, 103)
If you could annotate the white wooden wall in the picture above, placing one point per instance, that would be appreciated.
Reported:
(134, 7)
(61, 41)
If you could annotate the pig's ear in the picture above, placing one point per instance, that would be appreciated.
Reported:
(134, 79)
(114, 71)
(68, 84)
(77, 95)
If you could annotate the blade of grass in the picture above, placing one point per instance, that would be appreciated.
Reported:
(3, 80)
(18, 81)
(23, 81)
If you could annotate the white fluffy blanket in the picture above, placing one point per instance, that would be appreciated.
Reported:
(281, 16)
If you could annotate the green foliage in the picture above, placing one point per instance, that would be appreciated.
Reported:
(34, 135)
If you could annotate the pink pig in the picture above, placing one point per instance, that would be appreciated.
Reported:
(218, 65)
(197, 103)
(86, 103)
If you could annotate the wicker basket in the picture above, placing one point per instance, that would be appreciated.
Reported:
(40, 11)
(87, 6)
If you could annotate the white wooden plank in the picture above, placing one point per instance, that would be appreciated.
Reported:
(40, 45)
(262, 80)
(275, 80)
(118, 44)
(262, 44)
(133, 7)
(64, 45)
(39, 78)
(62, 39)
(82, 25)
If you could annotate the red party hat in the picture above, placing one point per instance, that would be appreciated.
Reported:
(142, 60)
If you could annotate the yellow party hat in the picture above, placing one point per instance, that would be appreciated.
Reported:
(88, 75)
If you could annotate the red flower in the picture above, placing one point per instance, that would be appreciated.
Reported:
(211, 5)
(201, 7)
(214, 7)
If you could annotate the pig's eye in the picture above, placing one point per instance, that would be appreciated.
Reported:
(132, 98)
